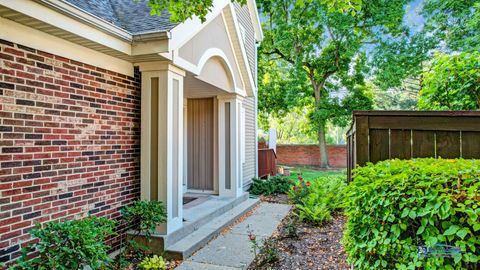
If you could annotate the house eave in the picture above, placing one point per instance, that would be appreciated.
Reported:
(67, 22)
(80, 15)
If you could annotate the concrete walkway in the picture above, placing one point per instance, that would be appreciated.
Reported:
(233, 250)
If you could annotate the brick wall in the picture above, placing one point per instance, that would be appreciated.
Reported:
(70, 142)
(297, 154)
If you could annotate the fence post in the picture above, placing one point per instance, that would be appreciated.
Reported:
(362, 141)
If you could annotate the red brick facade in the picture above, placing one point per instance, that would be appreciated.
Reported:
(297, 154)
(70, 142)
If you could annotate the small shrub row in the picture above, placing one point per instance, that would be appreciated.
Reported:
(272, 185)
(315, 201)
(396, 206)
(73, 244)
(69, 245)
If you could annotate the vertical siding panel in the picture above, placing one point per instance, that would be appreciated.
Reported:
(244, 19)
(250, 140)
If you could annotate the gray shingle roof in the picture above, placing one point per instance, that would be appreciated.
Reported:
(130, 15)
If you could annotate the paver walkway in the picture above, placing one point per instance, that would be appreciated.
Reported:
(232, 251)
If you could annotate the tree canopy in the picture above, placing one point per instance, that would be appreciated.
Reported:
(449, 27)
(452, 83)
(312, 54)
(454, 25)
(181, 11)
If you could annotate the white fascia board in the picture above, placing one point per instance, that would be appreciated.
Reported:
(183, 32)
(237, 38)
(255, 17)
(44, 12)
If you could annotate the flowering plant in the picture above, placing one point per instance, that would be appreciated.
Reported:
(299, 190)
(252, 237)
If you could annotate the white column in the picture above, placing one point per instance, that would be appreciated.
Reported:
(162, 139)
(230, 174)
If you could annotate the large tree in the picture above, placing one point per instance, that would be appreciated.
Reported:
(311, 51)
(454, 24)
(447, 27)
(181, 11)
(452, 83)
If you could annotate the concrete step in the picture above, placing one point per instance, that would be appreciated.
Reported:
(201, 214)
(185, 247)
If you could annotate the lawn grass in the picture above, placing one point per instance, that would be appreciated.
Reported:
(311, 173)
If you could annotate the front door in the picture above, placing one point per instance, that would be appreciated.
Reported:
(200, 144)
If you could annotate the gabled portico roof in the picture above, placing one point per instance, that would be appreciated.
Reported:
(123, 29)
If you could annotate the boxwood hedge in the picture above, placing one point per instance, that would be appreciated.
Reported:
(396, 206)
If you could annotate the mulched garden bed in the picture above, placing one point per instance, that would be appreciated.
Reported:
(278, 198)
(314, 247)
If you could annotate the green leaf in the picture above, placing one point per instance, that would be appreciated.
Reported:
(451, 230)
(463, 232)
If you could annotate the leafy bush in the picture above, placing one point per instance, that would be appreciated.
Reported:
(273, 185)
(147, 214)
(395, 206)
(153, 263)
(316, 200)
(69, 245)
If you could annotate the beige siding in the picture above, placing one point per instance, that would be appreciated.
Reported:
(249, 167)
(243, 16)
(250, 140)
(194, 49)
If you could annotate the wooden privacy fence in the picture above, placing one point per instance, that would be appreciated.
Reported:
(267, 162)
(380, 135)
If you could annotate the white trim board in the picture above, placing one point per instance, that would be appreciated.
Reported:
(254, 16)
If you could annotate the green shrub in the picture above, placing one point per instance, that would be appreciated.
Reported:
(69, 245)
(146, 214)
(315, 201)
(272, 185)
(395, 206)
(153, 263)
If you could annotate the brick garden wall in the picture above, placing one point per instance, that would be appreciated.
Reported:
(298, 154)
(70, 142)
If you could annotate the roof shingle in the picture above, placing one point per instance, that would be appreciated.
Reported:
(132, 16)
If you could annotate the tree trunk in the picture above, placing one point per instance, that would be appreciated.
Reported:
(317, 88)
(323, 148)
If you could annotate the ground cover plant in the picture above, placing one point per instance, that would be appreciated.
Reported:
(396, 206)
(272, 185)
(315, 201)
